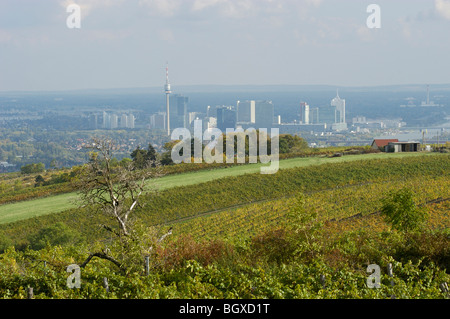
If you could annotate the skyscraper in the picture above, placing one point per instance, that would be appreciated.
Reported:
(246, 111)
(255, 113)
(339, 113)
(158, 121)
(226, 118)
(168, 92)
(339, 104)
(304, 113)
(182, 110)
(264, 116)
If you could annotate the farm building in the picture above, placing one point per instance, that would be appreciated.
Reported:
(394, 146)
(380, 144)
(399, 147)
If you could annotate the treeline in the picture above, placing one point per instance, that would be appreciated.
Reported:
(63, 148)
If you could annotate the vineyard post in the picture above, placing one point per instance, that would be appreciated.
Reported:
(105, 284)
(147, 265)
(30, 294)
(322, 280)
(391, 274)
(444, 288)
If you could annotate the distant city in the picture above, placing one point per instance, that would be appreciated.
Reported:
(323, 115)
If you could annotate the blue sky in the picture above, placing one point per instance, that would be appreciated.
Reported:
(126, 43)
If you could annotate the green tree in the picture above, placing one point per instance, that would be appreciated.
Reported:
(151, 154)
(138, 157)
(166, 158)
(144, 158)
(39, 180)
(292, 144)
(401, 212)
(32, 168)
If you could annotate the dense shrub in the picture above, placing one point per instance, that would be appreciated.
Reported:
(185, 248)
(54, 235)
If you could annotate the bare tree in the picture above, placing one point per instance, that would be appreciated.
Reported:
(114, 191)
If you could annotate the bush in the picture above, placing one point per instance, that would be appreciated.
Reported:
(185, 248)
(58, 234)
(400, 210)
(33, 168)
(272, 246)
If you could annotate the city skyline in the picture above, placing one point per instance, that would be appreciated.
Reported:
(125, 44)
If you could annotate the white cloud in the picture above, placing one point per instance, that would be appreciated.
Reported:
(165, 8)
(443, 8)
(203, 4)
(246, 8)
(87, 6)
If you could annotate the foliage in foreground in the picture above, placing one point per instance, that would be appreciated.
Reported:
(184, 268)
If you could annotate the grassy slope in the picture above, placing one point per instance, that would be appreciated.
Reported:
(54, 204)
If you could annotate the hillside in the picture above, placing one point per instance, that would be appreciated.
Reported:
(309, 231)
(55, 203)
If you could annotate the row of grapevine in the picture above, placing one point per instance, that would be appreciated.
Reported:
(335, 204)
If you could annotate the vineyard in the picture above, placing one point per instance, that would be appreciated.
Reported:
(344, 208)
(305, 232)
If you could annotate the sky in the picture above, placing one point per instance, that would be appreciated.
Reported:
(127, 43)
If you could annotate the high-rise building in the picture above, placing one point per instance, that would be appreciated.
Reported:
(158, 121)
(167, 91)
(339, 104)
(339, 113)
(304, 113)
(93, 121)
(130, 121)
(106, 120)
(259, 114)
(209, 123)
(226, 118)
(179, 116)
(246, 111)
(182, 110)
(264, 114)
(193, 116)
(123, 121)
(114, 121)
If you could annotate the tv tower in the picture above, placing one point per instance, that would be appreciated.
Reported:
(168, 92)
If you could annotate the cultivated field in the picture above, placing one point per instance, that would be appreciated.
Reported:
(54, 204)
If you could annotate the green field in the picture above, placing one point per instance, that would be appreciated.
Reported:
(54, 204)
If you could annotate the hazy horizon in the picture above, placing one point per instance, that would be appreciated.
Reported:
(126, 44)
(211, 88)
